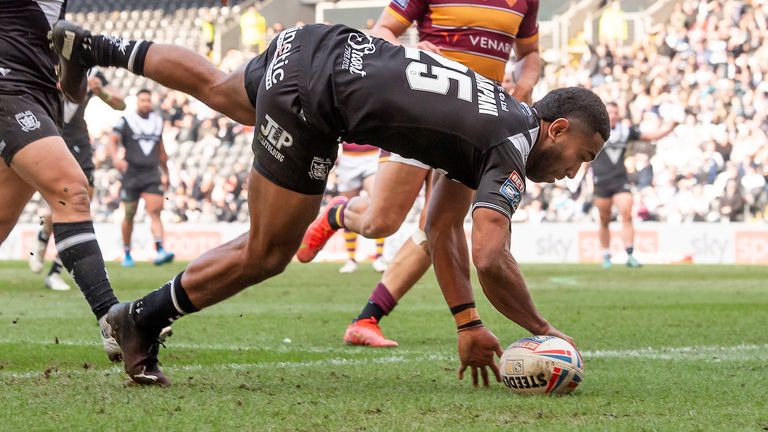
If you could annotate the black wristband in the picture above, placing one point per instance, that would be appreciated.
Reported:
(469, 325)
(461, 307)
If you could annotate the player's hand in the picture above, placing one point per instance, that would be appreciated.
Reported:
(552, 331)
(121, 165)
(94, 85)
(428, 46)
(476, 349)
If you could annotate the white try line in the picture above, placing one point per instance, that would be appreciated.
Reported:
(742, 352)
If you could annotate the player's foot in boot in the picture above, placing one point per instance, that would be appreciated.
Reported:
(379, 265)
(55, 282)
(163, 257)
(108, 342)
(607, 262)
(318, 233)
(349, 267)
(73, 45)
(128, 261)
(632, 262)
(139, 346)
(366, 331)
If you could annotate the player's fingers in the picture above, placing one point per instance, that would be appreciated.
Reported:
(474, 376)
(498, 350)
(484, 374)
(495, 369)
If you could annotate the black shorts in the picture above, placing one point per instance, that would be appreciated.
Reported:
(288, 150)
(612, 187)
(136, 183)
(26, 117)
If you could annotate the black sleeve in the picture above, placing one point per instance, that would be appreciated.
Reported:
(634, 133)
(502, 183)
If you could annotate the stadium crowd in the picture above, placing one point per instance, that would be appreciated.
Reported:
(710, 58)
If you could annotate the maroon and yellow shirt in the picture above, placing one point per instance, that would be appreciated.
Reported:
(477, 33)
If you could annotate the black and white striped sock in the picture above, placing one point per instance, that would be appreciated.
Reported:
(163, 306)
(125, 53)
(79, 252)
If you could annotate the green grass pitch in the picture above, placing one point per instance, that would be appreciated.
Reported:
(667, 348)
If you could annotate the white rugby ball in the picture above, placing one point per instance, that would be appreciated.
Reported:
(541, 365)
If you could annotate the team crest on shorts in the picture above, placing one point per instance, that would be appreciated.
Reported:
(320, 168)
(28, 121)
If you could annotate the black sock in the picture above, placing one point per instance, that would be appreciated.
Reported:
(79, 252)
(43, 236)
(125, 53)
(630, 250)
(336, 216)
(163, 306)
(371, 310)
(158, 245)
(56, 266)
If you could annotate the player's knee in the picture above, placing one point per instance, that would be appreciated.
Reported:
(379, 227)
(256, 267)
(71, 197)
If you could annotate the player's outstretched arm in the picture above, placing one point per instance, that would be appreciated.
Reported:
(500, 275)
(450, 255)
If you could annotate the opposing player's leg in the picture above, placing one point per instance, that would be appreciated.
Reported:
(173, 66)
(278, 219)
(623, 202)
(379, 264)
(154, 204)
(410, 263)
(48, 166)
(350, 237)
(130, 205)
(377, 215)
(603, 205)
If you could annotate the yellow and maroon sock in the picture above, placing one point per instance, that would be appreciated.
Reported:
(379, 247)
(379, 304)
(350, 240)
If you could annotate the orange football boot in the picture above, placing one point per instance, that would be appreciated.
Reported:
(318, 233)
(367, 332)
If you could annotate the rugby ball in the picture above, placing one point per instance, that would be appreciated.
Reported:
(541, 365)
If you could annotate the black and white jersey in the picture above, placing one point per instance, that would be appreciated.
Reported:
(26, 58)
(419, 105)
(75, 128)
(609, 163)
(141, 137)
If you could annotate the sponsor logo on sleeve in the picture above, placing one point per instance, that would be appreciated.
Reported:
(28, 121)
(4, 71)
(512, 189)
(358, 46)
(319, 168)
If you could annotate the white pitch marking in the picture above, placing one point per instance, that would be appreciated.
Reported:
(704, 353)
